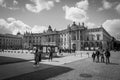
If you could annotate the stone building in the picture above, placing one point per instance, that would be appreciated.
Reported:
(49, 38)
(9, 41)
(79, 37)
(75, 36)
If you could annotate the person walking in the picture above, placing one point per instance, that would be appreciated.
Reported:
(107, 54)
(93, 56)
(50, 54)
(36, 57)
(97, 54)
(40, 54)
(102, 56)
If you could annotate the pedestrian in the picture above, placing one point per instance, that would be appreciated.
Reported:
(107, 54)
(40, 54)
(97, 55)
(50, 54)
(36, 57)
(93, 56)
(102, 56)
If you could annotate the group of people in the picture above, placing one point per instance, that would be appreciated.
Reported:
(104, 55)
(38, 55)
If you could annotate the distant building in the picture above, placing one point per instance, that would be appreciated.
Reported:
(75, 37)
(78, 37)
(9, 41)
(49, 38)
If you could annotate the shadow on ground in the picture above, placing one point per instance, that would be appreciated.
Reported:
(113, 63)
(42, 74)
(9, 60)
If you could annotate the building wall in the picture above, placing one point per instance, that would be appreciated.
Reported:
(47, 38)
(85, 39)
(10, 41)
(75, 36)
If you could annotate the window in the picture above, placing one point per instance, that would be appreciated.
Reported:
(98, 36)
(87, 38)
(93, 37)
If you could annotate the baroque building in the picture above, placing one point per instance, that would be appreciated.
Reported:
(75, 37)
(79, 37)
(49, 38)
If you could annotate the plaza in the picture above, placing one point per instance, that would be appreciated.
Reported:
(18, 68)
(59, 39)
(69, 66)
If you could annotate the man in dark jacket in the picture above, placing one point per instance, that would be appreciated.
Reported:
(51, 54)
(97, 54)
(36, 56)
(40, 54)
(93, 56)
(107, 54)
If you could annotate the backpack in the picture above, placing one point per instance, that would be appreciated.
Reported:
(107, 54)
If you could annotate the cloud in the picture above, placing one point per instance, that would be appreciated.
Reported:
(12, 26)
(118, 8)
(83, 4)
(105, 5)
(4, 27)
(112, 26)
(11, 19)
(57, 1)
(38, 29)
(15, 2)
(6, 5)
(2, 3)
(39, 5)
(18, 25)
(77, 13)
(91, 25)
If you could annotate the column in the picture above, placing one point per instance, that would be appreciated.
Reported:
(79, 40)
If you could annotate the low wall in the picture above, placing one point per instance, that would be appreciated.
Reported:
(90, 52)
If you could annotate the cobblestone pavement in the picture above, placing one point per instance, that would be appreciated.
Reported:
(88, 70)
(23, 68)
(83, 69)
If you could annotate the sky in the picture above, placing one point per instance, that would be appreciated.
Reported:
(36, 15)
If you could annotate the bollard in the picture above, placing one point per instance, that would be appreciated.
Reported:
(88, 54)
(18, 51)
(81, 54)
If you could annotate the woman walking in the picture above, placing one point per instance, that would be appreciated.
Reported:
(36, 57)
(93, 56)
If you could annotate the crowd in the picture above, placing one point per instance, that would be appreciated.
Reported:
(98, 56)
(38, 55)
(104, 55)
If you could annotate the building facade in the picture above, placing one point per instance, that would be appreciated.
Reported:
(75, 37)
(79, 37)
(49, 38)
(9, 41)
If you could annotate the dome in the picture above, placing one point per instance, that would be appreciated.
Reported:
(49, 29)
(18, 33)
(74, 26)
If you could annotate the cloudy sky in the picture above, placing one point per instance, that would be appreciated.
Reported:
(36, 15)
